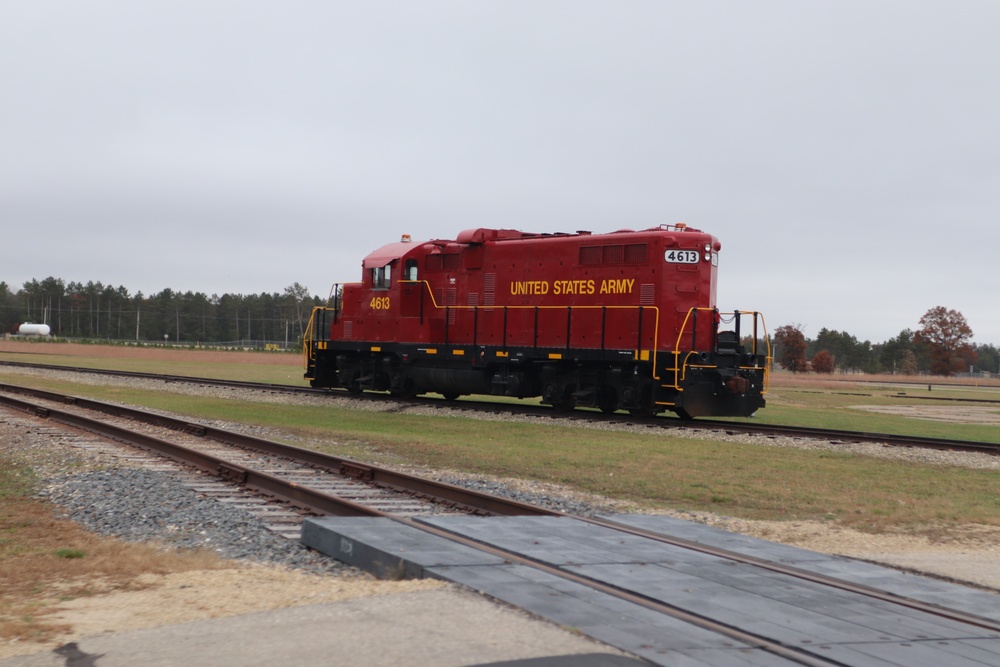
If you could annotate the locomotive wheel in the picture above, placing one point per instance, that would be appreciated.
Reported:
(409, 390)
(607, 400)
(352, 385)
(566, 402)
(451, 395)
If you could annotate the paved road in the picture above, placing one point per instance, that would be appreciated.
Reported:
(437, 628)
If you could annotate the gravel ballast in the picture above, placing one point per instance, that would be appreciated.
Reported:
(141, 505)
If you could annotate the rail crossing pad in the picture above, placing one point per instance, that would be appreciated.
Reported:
(810, 619)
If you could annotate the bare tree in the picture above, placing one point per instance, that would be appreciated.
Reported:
(297, 295)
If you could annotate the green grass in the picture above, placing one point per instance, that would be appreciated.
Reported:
(69, 553)
(654, 469)
(841, 410)
(15, 480)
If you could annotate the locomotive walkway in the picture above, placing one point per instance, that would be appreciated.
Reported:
(676, 606)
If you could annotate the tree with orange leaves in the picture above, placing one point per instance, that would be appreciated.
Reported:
(947, 337)
(791, 348)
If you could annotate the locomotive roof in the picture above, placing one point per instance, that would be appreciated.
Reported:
(482, 235)
(388, 253)
(394, 251)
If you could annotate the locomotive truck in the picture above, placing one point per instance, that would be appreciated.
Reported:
(619, 321)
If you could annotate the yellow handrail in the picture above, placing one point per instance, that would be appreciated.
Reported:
(680, 369)
(655, 309)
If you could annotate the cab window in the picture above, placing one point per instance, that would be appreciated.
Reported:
(381, 277)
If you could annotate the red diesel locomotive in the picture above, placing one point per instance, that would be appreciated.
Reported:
(619, 321)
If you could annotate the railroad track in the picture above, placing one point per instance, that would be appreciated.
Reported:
(280, 483)
(283, 484)
(708, 425)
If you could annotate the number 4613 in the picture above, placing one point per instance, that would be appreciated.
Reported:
(379, 303)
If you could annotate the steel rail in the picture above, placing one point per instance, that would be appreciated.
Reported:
(947, 399)
(240, 384)
(261, 482)
(895, 440)
(752, 640)
(799, 573)
(471, 501)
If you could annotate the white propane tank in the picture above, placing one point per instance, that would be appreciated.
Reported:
(34, 329)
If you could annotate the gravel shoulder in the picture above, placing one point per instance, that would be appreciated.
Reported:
(256, 584)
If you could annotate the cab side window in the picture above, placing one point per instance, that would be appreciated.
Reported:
(410, 272)
(382, 277)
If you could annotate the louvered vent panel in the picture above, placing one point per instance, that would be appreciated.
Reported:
(636, 253)
(647, 294)
(614, 254)
(590, 255)
(489, 285)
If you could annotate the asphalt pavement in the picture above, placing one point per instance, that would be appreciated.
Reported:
(448, 627)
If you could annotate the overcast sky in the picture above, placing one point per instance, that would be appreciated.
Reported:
(846, 154)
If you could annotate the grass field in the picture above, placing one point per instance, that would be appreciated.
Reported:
(652, 470)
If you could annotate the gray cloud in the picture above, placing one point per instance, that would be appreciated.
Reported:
(844, 153)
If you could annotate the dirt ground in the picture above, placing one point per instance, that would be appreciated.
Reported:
(204, 355)
(958, 414)
(187, 596)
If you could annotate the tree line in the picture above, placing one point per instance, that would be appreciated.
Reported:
(941, 346)
(101, 312)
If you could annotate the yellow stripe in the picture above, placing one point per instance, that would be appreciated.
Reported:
(431, 350)
(376, 348)
(458, 353)
(503, 354)
(555, 356)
